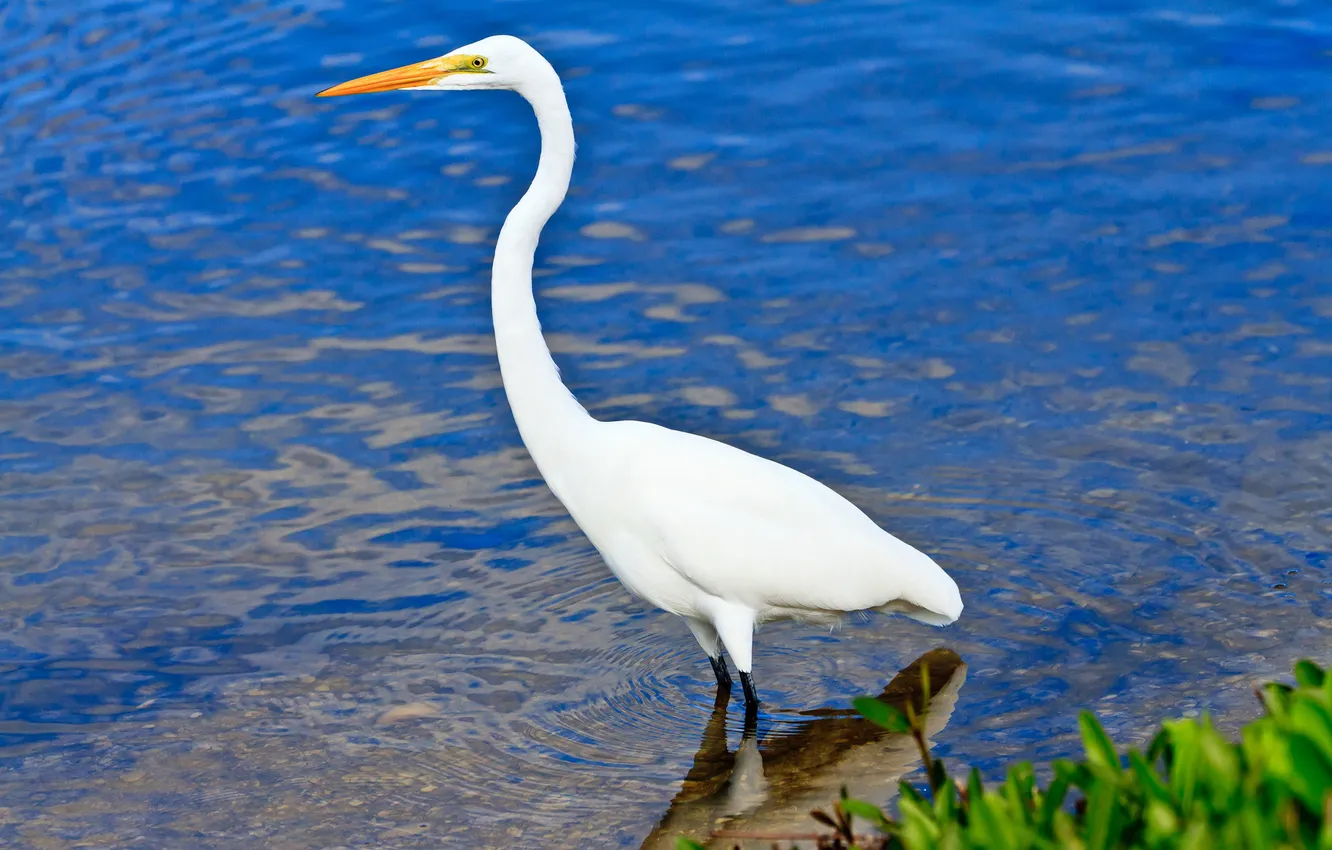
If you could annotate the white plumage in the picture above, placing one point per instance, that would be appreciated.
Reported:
(698, 528)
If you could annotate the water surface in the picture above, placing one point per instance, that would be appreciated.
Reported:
(1045, 291)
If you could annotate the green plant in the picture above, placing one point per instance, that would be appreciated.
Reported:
(1191, 788)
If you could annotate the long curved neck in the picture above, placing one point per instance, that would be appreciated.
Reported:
(550, 419)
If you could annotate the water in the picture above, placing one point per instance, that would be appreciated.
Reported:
(1045, 291)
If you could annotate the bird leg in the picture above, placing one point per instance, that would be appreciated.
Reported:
(751, 720)
(751, 697)
(719, 669)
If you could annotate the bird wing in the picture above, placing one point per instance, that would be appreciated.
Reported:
(750, 530)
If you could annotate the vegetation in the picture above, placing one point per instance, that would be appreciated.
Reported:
(1191, 788)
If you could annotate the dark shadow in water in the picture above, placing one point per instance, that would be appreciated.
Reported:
(769, 789)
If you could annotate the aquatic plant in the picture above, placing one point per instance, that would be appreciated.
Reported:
(1190, 788)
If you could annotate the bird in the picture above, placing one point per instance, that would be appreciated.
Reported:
(721, 537)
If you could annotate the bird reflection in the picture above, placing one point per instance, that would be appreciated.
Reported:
(767, 792)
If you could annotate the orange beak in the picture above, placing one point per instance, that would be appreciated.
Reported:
(408, 76)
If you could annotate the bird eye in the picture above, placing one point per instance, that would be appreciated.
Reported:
(478, 62)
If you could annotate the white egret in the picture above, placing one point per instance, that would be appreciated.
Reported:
(723, 538)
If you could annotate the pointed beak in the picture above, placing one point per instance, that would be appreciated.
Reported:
(408, 76)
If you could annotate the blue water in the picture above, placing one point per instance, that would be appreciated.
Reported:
(1045, 290)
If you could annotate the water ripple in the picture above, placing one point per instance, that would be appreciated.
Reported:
(1042, 289)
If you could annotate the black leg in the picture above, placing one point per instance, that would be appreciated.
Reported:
(751, 697)
(751, 719)
(723, 675)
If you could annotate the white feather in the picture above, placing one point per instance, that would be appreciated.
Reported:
(721, 537)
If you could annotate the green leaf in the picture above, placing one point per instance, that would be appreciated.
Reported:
(1308, 674)
(1185, 755)
(1074, 773)
(938, 776)
(907, 791)
(1157, 748)
(975, 787)
(1104, 819)
(945, 802)
(1018, 791)
(1148, 782)
(1220, 764)
(865, 811)
(1193, 788)
(985, 820)
(682, 843)
(1023, 778)
(1325, 834)
(1100, 750)
(1312, 777)
(1276, 697)
(1051, 802)
(881, 714)
(1161, 822)
(918, 825)
(1312, 719)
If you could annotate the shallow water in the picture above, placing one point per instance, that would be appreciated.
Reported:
(1045, 291)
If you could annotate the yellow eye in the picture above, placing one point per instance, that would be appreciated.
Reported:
(478, 62)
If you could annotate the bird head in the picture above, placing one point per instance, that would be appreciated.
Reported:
(497, 62)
